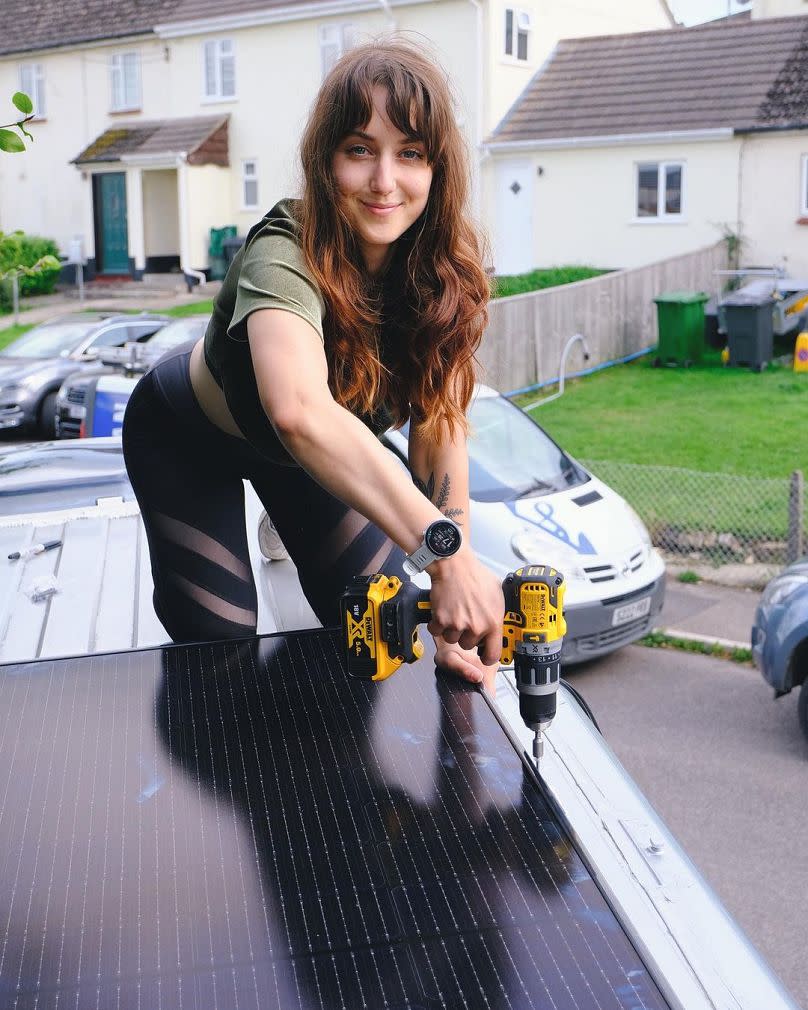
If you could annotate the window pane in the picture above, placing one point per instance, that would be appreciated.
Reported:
(117, 82)
(131, 79)
(673, 189)
(39, 97)
(329, 54)
(348, 37)
(521, 46)
(509, 32)
(647, 182)
(249, 168)
(210, 69)
(250, 192)
(228, 69)
(27, 80)
(805, 189)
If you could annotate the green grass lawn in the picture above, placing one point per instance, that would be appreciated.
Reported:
(708, 418)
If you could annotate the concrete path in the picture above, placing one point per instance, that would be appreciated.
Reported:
(706, 610)
(152, 296)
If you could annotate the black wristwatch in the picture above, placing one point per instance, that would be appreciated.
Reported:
(442, 539)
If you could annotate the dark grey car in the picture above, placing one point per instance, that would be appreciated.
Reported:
(34, 366)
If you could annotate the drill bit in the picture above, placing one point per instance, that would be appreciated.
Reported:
(538, 745)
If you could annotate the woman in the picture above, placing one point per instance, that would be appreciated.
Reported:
(359, 306)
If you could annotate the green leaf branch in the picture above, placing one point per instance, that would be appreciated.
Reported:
(11, 142)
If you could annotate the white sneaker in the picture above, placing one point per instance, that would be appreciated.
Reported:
(269, 543)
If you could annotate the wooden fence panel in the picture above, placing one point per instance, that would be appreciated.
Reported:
(616, 313)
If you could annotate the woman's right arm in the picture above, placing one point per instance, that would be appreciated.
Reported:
(349, 461)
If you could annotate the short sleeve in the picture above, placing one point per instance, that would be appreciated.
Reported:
(273, 275)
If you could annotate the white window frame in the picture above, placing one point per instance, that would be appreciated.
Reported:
(217, 48)
(35, 89)
(335, 39)
(661, 214)
(117, 64)
(521, 24)
(249, 177)
(804, 188)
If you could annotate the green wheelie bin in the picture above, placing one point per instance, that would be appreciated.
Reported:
(680, 315)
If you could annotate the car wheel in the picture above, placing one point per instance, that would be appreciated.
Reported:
(802, 708)
(47, 417)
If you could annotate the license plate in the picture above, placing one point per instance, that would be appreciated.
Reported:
(631, 611)
(77, 413)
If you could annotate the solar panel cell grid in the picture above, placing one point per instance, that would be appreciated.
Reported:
(243, 826)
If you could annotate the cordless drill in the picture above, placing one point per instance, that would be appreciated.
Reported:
(380, 618)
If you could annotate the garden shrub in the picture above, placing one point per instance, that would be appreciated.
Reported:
(17, 249)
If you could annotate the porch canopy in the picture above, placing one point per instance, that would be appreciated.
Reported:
(203, 139)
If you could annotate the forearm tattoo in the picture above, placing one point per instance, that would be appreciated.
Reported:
(440, 500)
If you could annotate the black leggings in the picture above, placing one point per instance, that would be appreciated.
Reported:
(187, 476)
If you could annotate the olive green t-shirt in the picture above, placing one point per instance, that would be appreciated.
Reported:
(268, 272)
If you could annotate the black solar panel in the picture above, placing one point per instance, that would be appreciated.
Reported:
(242, 826)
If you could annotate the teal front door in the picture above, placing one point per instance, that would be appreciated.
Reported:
(112, 236)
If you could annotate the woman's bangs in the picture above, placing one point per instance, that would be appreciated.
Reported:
(408, 109)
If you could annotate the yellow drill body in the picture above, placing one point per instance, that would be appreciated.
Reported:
(380, 618)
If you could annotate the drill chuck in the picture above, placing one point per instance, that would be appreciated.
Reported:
(537, 669)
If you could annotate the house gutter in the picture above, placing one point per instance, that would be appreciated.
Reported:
(788, 127)
(185, 230)
(277, 15)
(609, 140)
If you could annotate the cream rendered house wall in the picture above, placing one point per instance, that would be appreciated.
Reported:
(209, 205)
(40, 191)
(772, 178)
(778, 8)
(160, 212)
(583, 207)
(278, 73)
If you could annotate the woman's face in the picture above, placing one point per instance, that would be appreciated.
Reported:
(383, 181)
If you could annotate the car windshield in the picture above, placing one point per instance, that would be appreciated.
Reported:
(50, 467)
(510, 456)
(51, 341)
(177, 333)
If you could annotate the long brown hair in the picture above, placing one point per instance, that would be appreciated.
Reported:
(442, 314)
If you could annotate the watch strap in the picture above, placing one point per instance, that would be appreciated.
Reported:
(416, 562)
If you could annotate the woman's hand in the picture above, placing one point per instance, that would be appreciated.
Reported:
(465, 663)
(467, 608)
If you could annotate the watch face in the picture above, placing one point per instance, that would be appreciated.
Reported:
(443, 538)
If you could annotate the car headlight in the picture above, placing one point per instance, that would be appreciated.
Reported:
(779, 590)
(642, 529)
(535, 550)
(11, 391)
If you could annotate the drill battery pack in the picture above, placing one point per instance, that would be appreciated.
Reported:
(380, 618)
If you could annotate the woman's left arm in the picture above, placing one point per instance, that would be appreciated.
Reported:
(440, 470)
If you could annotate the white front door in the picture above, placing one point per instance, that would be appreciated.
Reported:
(513, 225)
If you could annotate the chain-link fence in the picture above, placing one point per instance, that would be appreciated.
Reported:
(714, 518)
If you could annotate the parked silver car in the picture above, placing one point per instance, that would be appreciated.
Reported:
(33, 367)
(92, 401)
